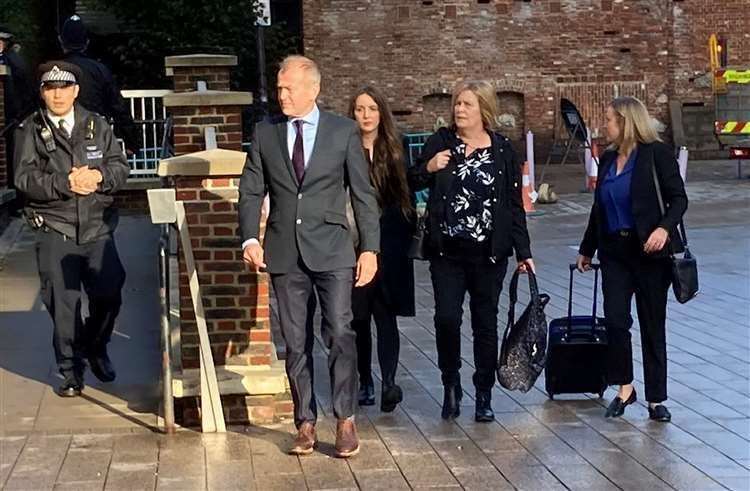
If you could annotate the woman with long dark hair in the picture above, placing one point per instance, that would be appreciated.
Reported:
(391, 294)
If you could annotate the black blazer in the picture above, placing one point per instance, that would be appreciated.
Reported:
(644, 202)
(509, 231)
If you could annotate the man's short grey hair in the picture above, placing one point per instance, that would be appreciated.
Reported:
(309, 66)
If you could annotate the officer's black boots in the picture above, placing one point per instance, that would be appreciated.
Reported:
(101, 366)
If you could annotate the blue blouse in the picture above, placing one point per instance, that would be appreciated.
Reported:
(614, 193)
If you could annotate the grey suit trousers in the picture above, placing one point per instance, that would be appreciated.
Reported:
(293, 290)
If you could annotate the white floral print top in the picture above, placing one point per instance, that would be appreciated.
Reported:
(469, 211)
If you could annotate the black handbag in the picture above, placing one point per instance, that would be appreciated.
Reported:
(685, 268)
(419, 239)
(523, 353)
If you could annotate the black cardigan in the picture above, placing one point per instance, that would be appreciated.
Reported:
(644, 203)
(508, 216)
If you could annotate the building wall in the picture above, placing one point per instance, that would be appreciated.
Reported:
(533, 51)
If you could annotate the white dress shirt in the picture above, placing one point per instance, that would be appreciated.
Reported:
(70, 120)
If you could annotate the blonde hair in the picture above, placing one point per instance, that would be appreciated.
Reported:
(635, 124)
(310, 67)
(485, 93)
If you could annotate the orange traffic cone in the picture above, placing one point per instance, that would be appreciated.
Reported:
(528, 205)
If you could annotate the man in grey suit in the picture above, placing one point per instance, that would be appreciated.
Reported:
(305, 162)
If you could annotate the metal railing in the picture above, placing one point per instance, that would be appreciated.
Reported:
(149, 115)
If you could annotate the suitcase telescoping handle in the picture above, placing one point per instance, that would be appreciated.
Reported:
(573, 267)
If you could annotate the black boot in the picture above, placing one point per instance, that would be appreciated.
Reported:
(483, 412)
(390, 398)
(452, 395)
(366, 394)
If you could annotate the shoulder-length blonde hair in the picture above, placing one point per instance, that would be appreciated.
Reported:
(485, 93)
(635, 124)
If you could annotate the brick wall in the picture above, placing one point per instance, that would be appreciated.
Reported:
(540, 49)
(191, 122)
(235, 299)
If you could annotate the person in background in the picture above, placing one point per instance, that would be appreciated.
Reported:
(631, 236)
(20, 98)
(391, 293)
(475, 221)
(99, 92)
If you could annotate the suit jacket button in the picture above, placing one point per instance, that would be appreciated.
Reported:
(299, 196)
(299, 220)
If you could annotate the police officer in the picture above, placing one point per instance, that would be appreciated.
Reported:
(20, 97)
(68, 164)
(98, 91)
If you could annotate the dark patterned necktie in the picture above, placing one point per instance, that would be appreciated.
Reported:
(298, 152)
(63, 129)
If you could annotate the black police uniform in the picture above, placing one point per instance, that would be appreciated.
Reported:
(75, 245)
(100, 94)
(98, 91)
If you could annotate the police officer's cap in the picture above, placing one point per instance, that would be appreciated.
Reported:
(5, 33)
(59, 73)
(73, 34)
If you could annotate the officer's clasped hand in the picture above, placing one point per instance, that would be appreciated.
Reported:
(83, 180)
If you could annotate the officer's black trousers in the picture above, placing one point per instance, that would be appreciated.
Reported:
(626, 271)
(64, 267)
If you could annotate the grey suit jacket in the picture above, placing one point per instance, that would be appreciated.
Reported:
(308, 219)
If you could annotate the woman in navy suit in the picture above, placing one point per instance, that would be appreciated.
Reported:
(633, 240)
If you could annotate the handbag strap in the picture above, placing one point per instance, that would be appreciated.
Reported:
(681, 226)
(513, 294)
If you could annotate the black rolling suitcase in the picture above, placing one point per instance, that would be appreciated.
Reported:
(576, 356)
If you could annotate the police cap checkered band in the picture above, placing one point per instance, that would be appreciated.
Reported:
(59, 71)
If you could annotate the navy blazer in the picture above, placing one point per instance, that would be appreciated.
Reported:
(644, 203)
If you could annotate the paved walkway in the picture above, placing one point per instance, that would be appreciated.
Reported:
(104, 441)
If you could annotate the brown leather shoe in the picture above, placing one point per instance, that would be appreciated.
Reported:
(305, 441)
(347, 441)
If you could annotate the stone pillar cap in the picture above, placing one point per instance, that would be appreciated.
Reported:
(4, 70)
(215, 162)
(208, 98)
(198, 60)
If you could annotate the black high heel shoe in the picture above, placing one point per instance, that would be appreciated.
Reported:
(617, 406)
(452, 395)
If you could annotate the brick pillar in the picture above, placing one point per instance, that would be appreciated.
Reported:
(4, 72)
(186, 70)
(252, 381)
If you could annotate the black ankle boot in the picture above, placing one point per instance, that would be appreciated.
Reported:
(391, 396)
(366, 395)
(483, 412)
(452, 395)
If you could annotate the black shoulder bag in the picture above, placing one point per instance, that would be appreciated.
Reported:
(685, 268)
(524, 345)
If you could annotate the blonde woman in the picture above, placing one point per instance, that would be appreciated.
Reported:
(633, 240)
(475, 221)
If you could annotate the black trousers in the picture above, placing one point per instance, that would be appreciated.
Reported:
(483, 280)
(63, 267)
(334, 289)
(626, 271)
(372, 302)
